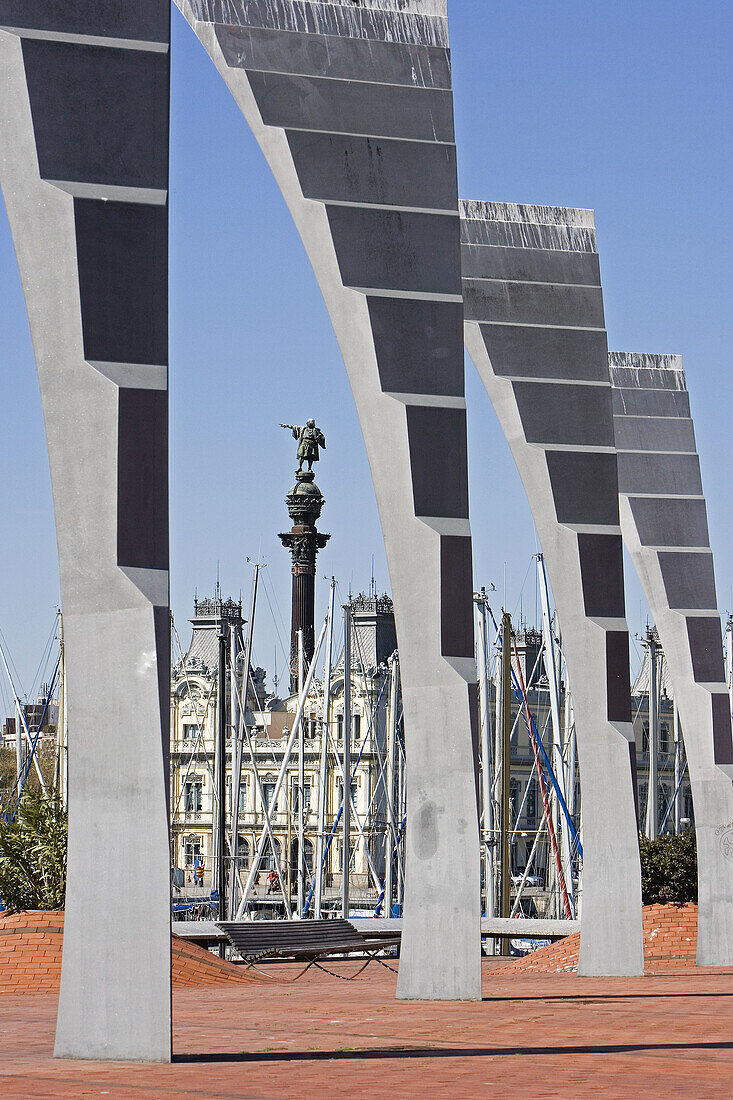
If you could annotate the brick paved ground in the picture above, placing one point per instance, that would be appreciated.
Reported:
(669, 1034)
(550, 1035)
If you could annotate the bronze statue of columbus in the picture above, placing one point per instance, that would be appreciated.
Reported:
(310, 438)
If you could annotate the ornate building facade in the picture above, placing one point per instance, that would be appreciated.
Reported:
(195, 699)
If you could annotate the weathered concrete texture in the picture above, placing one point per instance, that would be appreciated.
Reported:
(83, 169)
(351, 105)
(541, 353)
(659, 478)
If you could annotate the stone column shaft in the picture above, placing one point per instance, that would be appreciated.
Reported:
(84, 173)
(664, 524)
(535, 331)
(352, 106)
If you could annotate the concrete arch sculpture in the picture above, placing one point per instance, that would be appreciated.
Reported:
(534, 328)
(352, 107)
(84, 173)
(664, 525)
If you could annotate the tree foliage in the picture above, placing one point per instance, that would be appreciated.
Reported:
(33, 854)
(669, 869)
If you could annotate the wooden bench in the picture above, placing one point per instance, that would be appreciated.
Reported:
(306, 939)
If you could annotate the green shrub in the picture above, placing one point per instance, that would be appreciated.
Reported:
(33, 854)
(669, 869)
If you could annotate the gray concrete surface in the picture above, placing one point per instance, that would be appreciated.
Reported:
(658, 466)
(369, 85)
(79, 195)
(543, 360)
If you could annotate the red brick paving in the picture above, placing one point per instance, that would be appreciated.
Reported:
(534, 1035)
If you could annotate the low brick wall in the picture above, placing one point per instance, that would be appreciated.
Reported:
(30, 952)
(670, 941)
(30, 956)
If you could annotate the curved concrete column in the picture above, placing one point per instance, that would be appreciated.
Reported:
(535, 330)
(84, 173)
(664, 525)
(352, 106)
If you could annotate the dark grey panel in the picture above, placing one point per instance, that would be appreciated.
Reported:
(142, 472)
(533, 304)
(532, 264)
(456, 587)
(584, 486)
(439, 461)
(351, 107)
(564, 238)
(342, 20)
(394, 250)
(342, 168)
(706, 649)
(92, 113)
(145, 20)
(670, 522)
(634, 782)
(568, 354)
(340, 58)
(651, 433)
(602, 573)
(572, 415)
(419, 345)
(675, 475)
(618, 684)
(122, 256)
(638, 402)
(162, 627)
(473, 710)
(722, 740)
(646, 378)
(689, 580)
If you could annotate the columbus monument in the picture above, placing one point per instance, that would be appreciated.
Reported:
(305, 502)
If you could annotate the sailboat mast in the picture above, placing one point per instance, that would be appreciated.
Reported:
(506, 727)
(323, 772)
(220, 769)
(301, 784)
(346, 803)
(392, 826)
(239, 708)
(487, 819)
(652, 802)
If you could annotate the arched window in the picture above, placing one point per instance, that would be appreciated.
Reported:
(242, 853)
(192, 847)
(531, 806)
(664, 795)
(665, 744)
(270, 858)
(689, 809)
(515, 788)
(309, 858)
(193, 794)
(268, 793)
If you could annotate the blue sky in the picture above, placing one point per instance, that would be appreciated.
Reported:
(624, 107)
